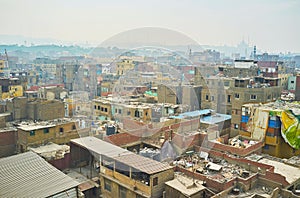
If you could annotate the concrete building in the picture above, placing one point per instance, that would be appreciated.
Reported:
(3, 67)
(122, 173)
(188, 95)
(8, 141)
(246, 64)
(217, 94)
(28, 175)
(183, 186)
(242, 72)
(22, 108)
(33, 78)
(53, 92)
(33, 134)
(66, 73)
(124, 66)
(10, 88)
(22, 76)
(246, 91)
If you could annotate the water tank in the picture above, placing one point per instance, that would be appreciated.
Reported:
(110, 130)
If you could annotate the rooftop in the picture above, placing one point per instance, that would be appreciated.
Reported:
(193, 114)
(122, 139)
(29, 175)
(214, 119)
(291, 173)
(138, 162)
(31, 125)
(185, 185)
(51, 150)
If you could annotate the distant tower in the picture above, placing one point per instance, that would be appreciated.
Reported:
(190, 53)
(254, 52)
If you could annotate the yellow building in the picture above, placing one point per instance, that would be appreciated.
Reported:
(124, 66)
(3, 65)
(32, 134)
(107, 109)
(10, 88)
(14, 91)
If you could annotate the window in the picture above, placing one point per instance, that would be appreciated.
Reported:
(155, 181)
(107, 185)
(212, 98)
(105, 110)
(236, 126)
(128, 113)
(206, 97)
(252, 97)
(269, 97)
(95, 107)
(73, 127)
(228, 98)
(120, 111)
(32, 133)
(236, 95)
(226, 83)
(292, 81)
(46, 130)
(102, 109)
(61, 130)
(122, 192)
(99, 107)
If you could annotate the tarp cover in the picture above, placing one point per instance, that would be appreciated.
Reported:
(290, 127)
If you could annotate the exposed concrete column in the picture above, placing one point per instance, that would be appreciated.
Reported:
(130, 172)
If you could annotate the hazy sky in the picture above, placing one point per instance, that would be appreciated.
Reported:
(272, 25)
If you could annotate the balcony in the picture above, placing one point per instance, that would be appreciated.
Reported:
(134, 185)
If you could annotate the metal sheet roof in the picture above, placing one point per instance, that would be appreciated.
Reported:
(193, 113)
(143, 164)
(29, 175)
(100, 147)
(138, 162)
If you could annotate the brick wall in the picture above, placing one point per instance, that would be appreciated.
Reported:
(8, 143)
(62, 163)
(270, 175)
(235, 150)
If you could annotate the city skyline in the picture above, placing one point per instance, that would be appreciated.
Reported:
(268, 24)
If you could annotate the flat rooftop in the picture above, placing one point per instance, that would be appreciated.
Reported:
(185, 185)
(291, 173)
(214, 119)
(193, 114)
(31, 125)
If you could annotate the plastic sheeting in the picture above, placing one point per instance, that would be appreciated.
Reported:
(290, 128)
(167, 151)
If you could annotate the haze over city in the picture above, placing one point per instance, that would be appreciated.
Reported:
(270, 25)
(150, 99)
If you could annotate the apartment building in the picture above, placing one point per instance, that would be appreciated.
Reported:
(33, 134)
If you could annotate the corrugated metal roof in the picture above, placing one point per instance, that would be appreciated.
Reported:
(143, 164)
(29, 175)
(138, 162)
(100, 147)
